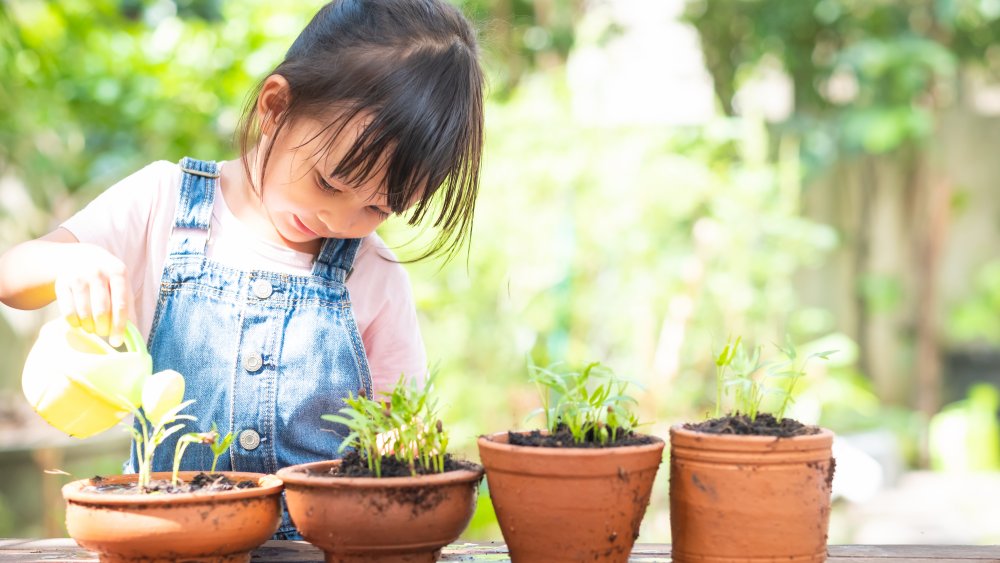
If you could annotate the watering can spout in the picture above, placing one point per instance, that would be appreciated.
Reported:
(80, 384)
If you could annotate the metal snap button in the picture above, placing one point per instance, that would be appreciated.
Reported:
(249, 439)
(252, 362)
(262, 289)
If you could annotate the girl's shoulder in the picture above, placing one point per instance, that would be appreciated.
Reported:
(137, 196)
(377, 263)
(153, 181)
(159, 171)
(373, 252)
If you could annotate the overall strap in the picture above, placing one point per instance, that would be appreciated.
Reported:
(336, 259)
(193, 217)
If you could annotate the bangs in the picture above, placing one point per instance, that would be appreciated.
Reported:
(420, 140)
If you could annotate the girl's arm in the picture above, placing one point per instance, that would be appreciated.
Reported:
(28, 270)
(90, 284)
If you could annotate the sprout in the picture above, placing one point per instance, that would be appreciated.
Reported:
(161, 395)
(211, 438)
(218, 446)
(591, 402)
(749, 377)
(405, 428)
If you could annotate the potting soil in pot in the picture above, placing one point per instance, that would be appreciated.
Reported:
(764, 425)
(353, 465)
(563, 438)
(201, 483)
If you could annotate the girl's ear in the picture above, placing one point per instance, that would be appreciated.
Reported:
(273, 100)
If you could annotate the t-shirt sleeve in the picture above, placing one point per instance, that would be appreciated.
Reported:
(392, 338)
(121, 218)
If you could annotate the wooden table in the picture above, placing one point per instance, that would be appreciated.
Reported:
(65, 549)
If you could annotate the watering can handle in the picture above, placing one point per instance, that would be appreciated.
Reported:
(133, 340)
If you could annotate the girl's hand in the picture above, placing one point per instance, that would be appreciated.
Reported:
(93, 292)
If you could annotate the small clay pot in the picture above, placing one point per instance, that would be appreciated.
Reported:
(569, 504)
(379, 520)
(221, 526)
(749, 498)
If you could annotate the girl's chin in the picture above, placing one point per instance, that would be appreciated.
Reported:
(295, 238)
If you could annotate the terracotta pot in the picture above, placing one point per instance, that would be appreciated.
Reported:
(391, 519)
(749, 498)
(569, 504)
(218, 526)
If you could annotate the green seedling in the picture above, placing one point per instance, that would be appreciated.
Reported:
(212, 439)
(405, 427)
(162, 396)
(589, 403)
(183, 442)
(792, 372)
(152, 433)
(725, 358)
(750, 378)
(219, 445)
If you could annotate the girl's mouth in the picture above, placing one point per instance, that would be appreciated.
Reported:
(302, 227)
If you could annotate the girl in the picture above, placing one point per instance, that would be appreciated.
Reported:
(262, 280)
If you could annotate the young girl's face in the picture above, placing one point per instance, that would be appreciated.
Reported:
(304, 202)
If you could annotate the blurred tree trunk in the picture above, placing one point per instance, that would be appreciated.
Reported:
(930, 236)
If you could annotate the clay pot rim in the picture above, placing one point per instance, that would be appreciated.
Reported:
(296, 475)
(678, 429)
(268, 485)
(497, 441)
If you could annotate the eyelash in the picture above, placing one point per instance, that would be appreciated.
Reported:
(328, 188)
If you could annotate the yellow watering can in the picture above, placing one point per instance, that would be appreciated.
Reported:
(81, 385)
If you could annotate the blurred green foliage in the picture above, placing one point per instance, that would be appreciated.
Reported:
(966, 433)
(872, 71)
(96, 89)
(975, 318)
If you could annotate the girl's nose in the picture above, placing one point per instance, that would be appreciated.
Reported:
(338, 221)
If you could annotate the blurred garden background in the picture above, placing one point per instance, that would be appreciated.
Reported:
(659, 175)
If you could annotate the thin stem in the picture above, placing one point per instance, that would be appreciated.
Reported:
(143, 457)
(178, 454)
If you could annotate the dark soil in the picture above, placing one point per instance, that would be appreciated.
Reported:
(353, 465)
(563, 438)
(419, 499)
(202, 483)
(764, 425)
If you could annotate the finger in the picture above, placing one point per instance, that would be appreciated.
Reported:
(66, 303)
(81, 301)
(118, 285)
(129, 301)
(100, 303)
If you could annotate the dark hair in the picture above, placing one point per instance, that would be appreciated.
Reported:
(409, 68)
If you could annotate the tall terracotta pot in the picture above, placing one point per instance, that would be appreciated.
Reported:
(218, 526)
(379, 520)
(569, 504)
(749, 498)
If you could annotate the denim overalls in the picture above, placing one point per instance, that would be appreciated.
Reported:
(263, 354)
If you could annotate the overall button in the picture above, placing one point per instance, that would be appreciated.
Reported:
(262, 289)
(249, 439)
(252, 362)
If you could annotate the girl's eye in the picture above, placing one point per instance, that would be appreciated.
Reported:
(327, 187)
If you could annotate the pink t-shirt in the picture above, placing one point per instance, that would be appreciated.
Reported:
(133, 221)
